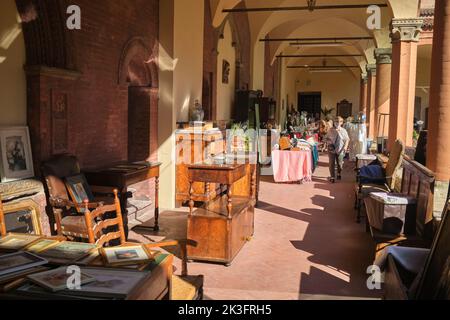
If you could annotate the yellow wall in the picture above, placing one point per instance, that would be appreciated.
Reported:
(335, 87)
(423, 83)
(226, 92)
(12, 59)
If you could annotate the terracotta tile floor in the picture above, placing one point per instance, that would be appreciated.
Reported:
(306, 245)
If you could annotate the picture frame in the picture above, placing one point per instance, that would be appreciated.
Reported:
(16, 160)
(23, 217)
(56, 280)
(19, 261)
(16, 242)
(110, 283)
(79, 191)
(68, 252)
(41, 245)
(126, 256)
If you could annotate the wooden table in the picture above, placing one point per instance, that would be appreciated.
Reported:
(219, 174)
(154, 287)
(122, 180)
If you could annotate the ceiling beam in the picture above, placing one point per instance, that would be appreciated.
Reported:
(305, 8)
(318, 55)
(315, 39)
(322, 67)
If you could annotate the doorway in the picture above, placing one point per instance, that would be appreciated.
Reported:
(310, 102)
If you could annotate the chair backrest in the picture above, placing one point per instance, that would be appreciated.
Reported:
(418, 182)
(55, 171)
(435, 280)
(98, 225)
(394, 163)
(2, 220)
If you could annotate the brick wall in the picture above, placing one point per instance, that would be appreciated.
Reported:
(95, 103)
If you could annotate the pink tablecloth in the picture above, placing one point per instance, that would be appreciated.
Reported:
(292, 166)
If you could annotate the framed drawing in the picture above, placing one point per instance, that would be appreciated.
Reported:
(16, 157)
(122, 256)
(57, 280)
(19, 261)
(23, 217)
(79, 190)
(15, 242)
(68, 252)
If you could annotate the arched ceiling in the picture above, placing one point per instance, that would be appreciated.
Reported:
(305, 24)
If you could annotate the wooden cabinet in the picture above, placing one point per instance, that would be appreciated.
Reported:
(195, 146)
(220, 237)
(221, 227)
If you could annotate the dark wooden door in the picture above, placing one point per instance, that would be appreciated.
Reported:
(139, 122)
(310, 102)
(207, 96)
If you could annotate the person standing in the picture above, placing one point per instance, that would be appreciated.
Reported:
(338, 143)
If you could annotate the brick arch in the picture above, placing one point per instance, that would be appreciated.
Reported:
(137, 66)
(46, 42)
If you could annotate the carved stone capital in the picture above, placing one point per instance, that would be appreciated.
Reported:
(364, 78)
(383, 55)
(371, 70)
(406, 30)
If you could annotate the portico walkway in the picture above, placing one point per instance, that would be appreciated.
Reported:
(306, 245)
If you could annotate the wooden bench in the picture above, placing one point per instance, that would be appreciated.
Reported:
(418, 183)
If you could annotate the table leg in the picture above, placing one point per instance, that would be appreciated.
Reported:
(156, 227)
(191, 198)
(123, 204)
(230, 201)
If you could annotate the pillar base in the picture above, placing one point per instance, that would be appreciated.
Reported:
(440, 198)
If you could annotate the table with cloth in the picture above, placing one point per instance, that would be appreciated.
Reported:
(292, 166)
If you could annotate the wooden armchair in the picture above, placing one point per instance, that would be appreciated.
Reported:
(63, 215)
(418, 274)
(2, 220)
(384, 180)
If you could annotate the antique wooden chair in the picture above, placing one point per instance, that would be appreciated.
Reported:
(65, 220)
(2, 220)
(384, 181)
(103, 229)
(418, 274)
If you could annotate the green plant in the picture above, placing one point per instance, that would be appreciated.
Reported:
(326, 112)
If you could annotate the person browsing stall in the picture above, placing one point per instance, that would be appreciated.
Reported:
(338, 142)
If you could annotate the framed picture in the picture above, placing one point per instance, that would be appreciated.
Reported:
(15, 242)
(23, 217)
(15, 262)
(10, 277)
(56, 280)
(123, 256)
(111, 283)
(16, 157)
(68, 252)
(41, 245)
(79, 190)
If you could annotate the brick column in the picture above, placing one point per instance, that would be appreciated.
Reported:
(371, 93)
(438, 158)
(405, 34)
(363, 94)
(383, 91)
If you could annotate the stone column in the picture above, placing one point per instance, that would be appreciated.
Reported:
(363, 94)
(383, 91)
(438, 158)
(371, 93)
(405, 34)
